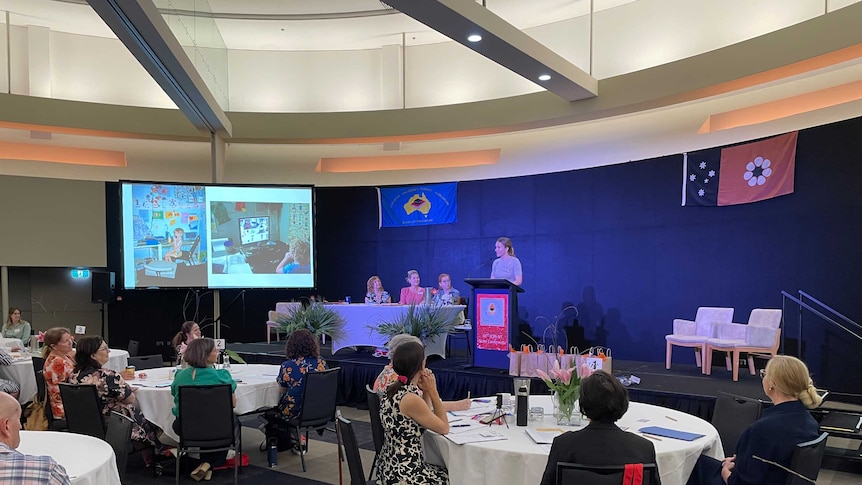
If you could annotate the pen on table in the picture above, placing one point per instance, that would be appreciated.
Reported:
(670, 418)
(459, 425)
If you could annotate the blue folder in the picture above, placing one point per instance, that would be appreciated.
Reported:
(670, 433)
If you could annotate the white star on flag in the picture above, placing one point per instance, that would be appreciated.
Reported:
(702, 165)
(712, 173)
(692, 177)
(700, 192)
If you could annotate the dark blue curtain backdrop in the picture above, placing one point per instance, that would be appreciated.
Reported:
(615, 241)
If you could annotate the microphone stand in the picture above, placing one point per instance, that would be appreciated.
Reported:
(498, 413)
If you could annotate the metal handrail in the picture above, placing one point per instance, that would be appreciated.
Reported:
(827, 307)
(815, 311)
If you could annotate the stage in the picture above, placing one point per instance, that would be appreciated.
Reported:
(682, 387)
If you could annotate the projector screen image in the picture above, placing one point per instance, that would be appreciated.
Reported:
(195, 236)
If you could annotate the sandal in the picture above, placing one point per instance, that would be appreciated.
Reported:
(201, 471)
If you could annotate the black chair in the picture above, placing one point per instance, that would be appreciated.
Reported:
(458, 334)
(84, 416)
(206, 423)
(134, 345)
(574, 474)
(347, 442)
(319, 398)
(806, 461)
(377, 434)
(41, 396)
(146, 361)
(731, 416)
(192, 258)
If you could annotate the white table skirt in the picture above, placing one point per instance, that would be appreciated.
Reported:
(21, 371)
(361, 319)
(87, 460)
(258, 390)
(518, 459)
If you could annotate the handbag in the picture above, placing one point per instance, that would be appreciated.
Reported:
(35, 417)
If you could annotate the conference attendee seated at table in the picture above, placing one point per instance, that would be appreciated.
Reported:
(115, 394)
(413, 294)
(388, 376)
(176, 250)
(303, 356)
(188, 331)
(445, 294)
(604, 400)
(59, 363)
(297, 260)
(15, 327)
(376, 295)
(406, 415)
(201, 354)
(767, 446)
(16, 467)
(9, 387)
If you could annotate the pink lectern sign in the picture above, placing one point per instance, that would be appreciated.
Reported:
(492, 322)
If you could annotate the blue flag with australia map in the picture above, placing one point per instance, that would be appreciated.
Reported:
(418, 205)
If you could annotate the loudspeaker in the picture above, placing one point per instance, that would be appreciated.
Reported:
(103, 287)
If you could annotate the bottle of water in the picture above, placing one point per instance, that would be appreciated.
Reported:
(226, 362)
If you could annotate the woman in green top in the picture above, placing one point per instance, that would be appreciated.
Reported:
(201, 354)
(15, 327)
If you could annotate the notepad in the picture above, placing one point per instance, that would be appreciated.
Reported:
(670, 433)
(485, 434)
(543, 435)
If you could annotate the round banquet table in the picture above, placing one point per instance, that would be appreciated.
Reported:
(21, 371)
(519, 460)
(257, 390)
(87, 460)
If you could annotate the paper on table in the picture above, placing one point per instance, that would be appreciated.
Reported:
(670, 433)
(478, 436)
(464, 426)
(151, 383)
(475, 409)
(544, 435)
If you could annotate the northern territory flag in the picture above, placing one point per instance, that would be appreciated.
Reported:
(740, 174)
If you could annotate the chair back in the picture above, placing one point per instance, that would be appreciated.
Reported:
(764, 317)
(118, 434)
(576, 474)
(806, 461)
(146, 361)
(287, 306)
(38, 367)
(706, 316)
(347, 439)
(731, 416)
(83, 409)
(319, 398)
(134, 345)
(206, 416)
(377, 433)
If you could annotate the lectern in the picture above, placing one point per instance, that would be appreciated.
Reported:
(495, 326)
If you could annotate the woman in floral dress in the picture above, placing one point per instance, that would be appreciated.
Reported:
(303, 355)
(114, 393)
(59, 363)
(406, 416)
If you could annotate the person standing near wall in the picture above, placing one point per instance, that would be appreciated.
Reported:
(506, 266)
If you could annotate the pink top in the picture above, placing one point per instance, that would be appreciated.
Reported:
(410, 297)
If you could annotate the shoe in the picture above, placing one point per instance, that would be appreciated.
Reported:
(208, 475)
(201, 471)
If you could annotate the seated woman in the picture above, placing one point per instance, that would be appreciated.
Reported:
(15, 327)
(446, 295)
(298, 260)
(59, 363)
(303, 356)
(9, 387)
(604, 400)
(188, 331)
(115, 394)
(388, 376)
(376, 295)
(774, 436)
(413, 294)
(406, 415)
(200, 355)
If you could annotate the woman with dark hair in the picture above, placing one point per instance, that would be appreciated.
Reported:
(303, 356)
(115, 394)
(16, 327)
(59, 363)
(200, 355)
(764, 451)
(406, 415)
(604, 400)
(506, 266)
(188, 331)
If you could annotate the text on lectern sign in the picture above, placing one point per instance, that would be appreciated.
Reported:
(492, 322)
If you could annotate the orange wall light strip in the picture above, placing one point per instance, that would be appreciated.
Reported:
(74, 156)
(409, 162)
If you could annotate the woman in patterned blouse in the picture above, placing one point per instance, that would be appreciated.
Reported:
(303, 355)
(59, 364)
(376, 294)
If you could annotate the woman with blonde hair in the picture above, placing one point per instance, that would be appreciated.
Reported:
(15, 326)
(506, 266)
(765, 449)
(376, 295)
(413, 294)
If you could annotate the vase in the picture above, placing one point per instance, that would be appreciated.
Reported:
(565, 409)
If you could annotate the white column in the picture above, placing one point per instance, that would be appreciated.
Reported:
(39, 61)
(392, 77)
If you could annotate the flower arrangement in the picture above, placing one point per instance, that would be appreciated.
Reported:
(423, 321)
(566, 385)
(41, 337)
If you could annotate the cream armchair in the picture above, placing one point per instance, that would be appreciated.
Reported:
(687, 333)
(760, 337)
(272, 322)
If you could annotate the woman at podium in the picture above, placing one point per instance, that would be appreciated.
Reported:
(506, 266)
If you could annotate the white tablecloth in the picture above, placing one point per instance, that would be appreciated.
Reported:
(87, 460)
(257, 390)
(22, 372)
(519, 460)
(361, 319)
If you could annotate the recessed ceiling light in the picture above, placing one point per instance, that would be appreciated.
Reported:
(545, 77)
(474, 37)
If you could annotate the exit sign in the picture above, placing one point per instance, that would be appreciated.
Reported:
(80, 273)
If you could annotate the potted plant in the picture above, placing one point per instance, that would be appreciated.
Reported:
(315, 317)
(424, 321)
